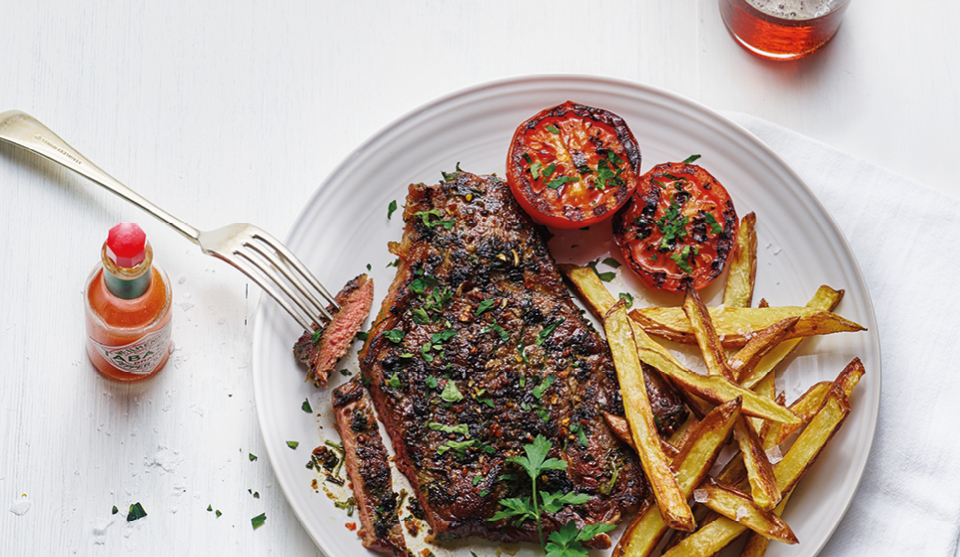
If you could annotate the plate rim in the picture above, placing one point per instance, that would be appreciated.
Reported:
(396, 125)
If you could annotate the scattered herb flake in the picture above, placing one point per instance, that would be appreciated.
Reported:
(394, 263)
(462, 429)
(345, 373)
(450, 392)
(431, 382)
(542, 387)
(306, 406)
(394, 381)
(485, 305)
(218, 513)
(361, 335)
(391, 208)
(611, 262)
(691, 159)
(209, 508)
(115, 510)
(256, 494)
(547, 331)
(315, 336)
(712, 221)
(293, 444)
(136, 512)
(459, 447)
(394, 335)
(628, 298)
(252, 457)
(561, 180)
(552, 129)
(258, 520)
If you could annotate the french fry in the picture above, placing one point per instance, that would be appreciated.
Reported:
(621, 428)
(670, 500)
(809, 403)
(739, 507)
(735, 325)
(825, 299)
(697, 455)
(715, 389)
(742, 265)
(758, 346)
(712, 537)
(706, 335)
(766, 388)
(756, 545)
(763, 485)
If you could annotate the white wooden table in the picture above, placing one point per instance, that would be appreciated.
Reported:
(234, 112)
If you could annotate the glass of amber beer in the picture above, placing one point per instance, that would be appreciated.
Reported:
(782, 29)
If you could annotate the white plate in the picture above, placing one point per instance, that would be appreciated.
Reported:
(343, 227)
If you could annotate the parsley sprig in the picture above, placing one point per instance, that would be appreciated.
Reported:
(534, 463)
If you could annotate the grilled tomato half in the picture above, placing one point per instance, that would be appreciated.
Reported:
(573, 165)
(677, 228)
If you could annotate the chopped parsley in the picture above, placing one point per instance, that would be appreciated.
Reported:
(306, 406)
(691, 159)
(673, 224)
(218, 513)
(561, 180)
(462, 429)
(425, 216)
(115, 510)
(258, 520)
(682, 259)
(542, 387)
(293, 445)
(450, 392)
(608, 172)
(605, 277)
(394, 263)
(420, 284)
(714, 225)
(252, 457)
(209, 508)
(577, 429)
(394, 335)
(548, 171)
(477, 479)
(628, 298)
(460, 447)
(485, 305)
(361, 335)
(611, 262)
(391, 208)
(431, 382)
(535, 170)
(552, 129)
(136, 512)
(394, 381)
(369, 268)
(548, 330)
(315, 336)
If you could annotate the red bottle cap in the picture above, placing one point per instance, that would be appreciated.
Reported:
(126, 245)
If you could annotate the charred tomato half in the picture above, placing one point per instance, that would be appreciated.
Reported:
(573, 165)
(678, 227)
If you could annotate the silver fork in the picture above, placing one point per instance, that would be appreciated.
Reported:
(256, 253)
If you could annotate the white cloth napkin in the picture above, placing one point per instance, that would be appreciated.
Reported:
(903, 234)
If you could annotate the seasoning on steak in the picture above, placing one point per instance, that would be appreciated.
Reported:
(477, 349)
(321, 349)
(368, 469)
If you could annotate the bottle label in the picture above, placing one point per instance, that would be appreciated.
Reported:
(140, 357)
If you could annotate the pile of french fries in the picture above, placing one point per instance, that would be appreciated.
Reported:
(735, 402)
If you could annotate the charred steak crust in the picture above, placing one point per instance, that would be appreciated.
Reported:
(477, 349)
(321, 351)
(369, 470)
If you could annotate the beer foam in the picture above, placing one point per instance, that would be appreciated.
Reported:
(794, 9)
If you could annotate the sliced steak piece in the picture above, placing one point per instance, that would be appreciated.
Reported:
(323, 348)
(368, 469)
(477, 349)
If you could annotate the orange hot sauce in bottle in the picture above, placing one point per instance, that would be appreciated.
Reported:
(127, 301)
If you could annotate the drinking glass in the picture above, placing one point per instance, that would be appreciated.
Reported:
(782, 29)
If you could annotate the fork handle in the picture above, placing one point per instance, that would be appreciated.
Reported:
(21, 129)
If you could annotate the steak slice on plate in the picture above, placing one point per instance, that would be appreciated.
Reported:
(368, 469)
(478, 348)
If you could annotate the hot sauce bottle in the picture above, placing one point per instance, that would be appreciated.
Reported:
(128, 301)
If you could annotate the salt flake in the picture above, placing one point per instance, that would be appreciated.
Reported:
(701, 495)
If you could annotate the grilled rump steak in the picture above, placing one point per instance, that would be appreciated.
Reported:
(321, 352)
(368, 469)
(477, 349)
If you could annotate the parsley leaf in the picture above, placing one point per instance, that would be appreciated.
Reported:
(425, 216)
(394, 381)
(391, 208)
(611, 262)
(306, 406)
(293, 444)
(485, 305)
(420, 284)
(394, 335)
(714, 225)
(460, 447)
(258, 520)
(626, 296)
(605, 277)
(561, 180)
(691, 159)
(552, 129)
(553, 502)
(252, 457)
(539, 389)
(462, 429)
(136, 512)
(115, 510)
(450, 392)
(547, 331)
(431, 382)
